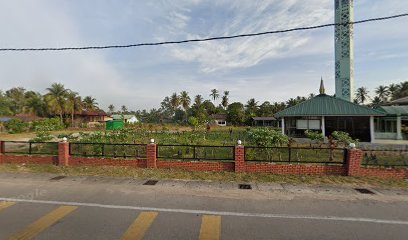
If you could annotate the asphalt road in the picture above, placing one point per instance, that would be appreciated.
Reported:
(36, 207)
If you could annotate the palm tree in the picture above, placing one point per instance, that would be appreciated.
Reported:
(124, 109)
(74, 104)
(393, 90)
(90, 103)
(111, 108)
(376, 101)
(214, 94)
(56, 99)
(224, 101)
(34, 104)
(251, 106)
(361, 95)
(382, 92)
(185, 101)
(174, 102)
(198, 100)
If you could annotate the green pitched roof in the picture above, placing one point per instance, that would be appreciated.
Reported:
(325, 105)
(395, 110)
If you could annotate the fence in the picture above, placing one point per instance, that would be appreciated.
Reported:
(30, 148)
(105, 150)
(195, 153)
(385, 158)
(296, 155)
(294, 160)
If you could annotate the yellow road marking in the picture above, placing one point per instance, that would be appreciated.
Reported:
(210, 228)
(4, 205)
(43, 223)
(137, 230)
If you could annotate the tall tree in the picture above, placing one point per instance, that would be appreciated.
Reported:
(265, 109)
(185, 101)
(124, 109)
(5, 105)
(174, 102)
(73, 105)
(56, 99)
(382, 92)
(361, 95)
(214, 95)
(224, 100)
(393, 89)
(111, 108)
(236, 113)
(198, 100)
(34, 104)
(17, 97)
(90, 103)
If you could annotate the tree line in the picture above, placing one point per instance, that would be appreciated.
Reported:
(178, 107)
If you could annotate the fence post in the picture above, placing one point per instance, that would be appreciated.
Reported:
(354, 158)
(63, 153)
(239, 158)
(151, 155)
(2, 150)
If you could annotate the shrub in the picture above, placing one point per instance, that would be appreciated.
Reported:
(16, 126)
(343, 138)
(49, 124)
(267, 137)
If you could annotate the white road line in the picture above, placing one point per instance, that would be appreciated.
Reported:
(206, 212)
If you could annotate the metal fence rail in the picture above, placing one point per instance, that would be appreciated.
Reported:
(295, 155)
(197, 153)
(31, 148)
(385, 158)
(108, 150)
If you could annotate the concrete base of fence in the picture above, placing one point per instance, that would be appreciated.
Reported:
(351, 168)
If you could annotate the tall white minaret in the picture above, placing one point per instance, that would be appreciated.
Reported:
(344, 49)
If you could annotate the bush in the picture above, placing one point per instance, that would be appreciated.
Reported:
(46, 125)
(343, 138)
(267, 137)
(16, 126)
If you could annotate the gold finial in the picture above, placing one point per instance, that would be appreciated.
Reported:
(322, 91)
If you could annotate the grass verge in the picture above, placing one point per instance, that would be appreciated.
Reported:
(167, 174)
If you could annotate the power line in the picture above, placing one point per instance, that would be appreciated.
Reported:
(203, 39)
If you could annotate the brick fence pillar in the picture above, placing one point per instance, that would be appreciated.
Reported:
(354, 158)
(63, 153)
(151, 155)
(239, 158)
(2, 150)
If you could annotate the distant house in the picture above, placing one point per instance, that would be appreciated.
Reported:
(265, 122)
(398, 102)
(219, 119)
(391, 126)
(91, 117)
(127, 118)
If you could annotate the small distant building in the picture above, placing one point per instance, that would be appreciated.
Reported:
(398, 102)
(91, 117)
(127, 118)
(265, 122)
(219, 119)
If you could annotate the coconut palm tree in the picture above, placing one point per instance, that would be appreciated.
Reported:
(224, 100)
(56, 99)
(34, 104)
(90, 103)
(74, 104)
(198, 100)
(174, 102)
(251, 107)
(376, 101)
(361, 95)
(214, 94)
(185, 101)
(124, 109)
(111, 108)
(382, 92)
(393, 90)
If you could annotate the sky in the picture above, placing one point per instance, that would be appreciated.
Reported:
(267, 68)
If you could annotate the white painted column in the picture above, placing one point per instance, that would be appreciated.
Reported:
(372, 136)
(323, 126)
(283, 125)
(399, 133)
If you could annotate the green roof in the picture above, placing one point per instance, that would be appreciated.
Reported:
(325, 105)
(395, 110)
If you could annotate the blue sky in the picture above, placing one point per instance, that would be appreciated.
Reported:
(268, 68)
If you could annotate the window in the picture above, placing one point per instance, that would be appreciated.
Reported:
(308, 124)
